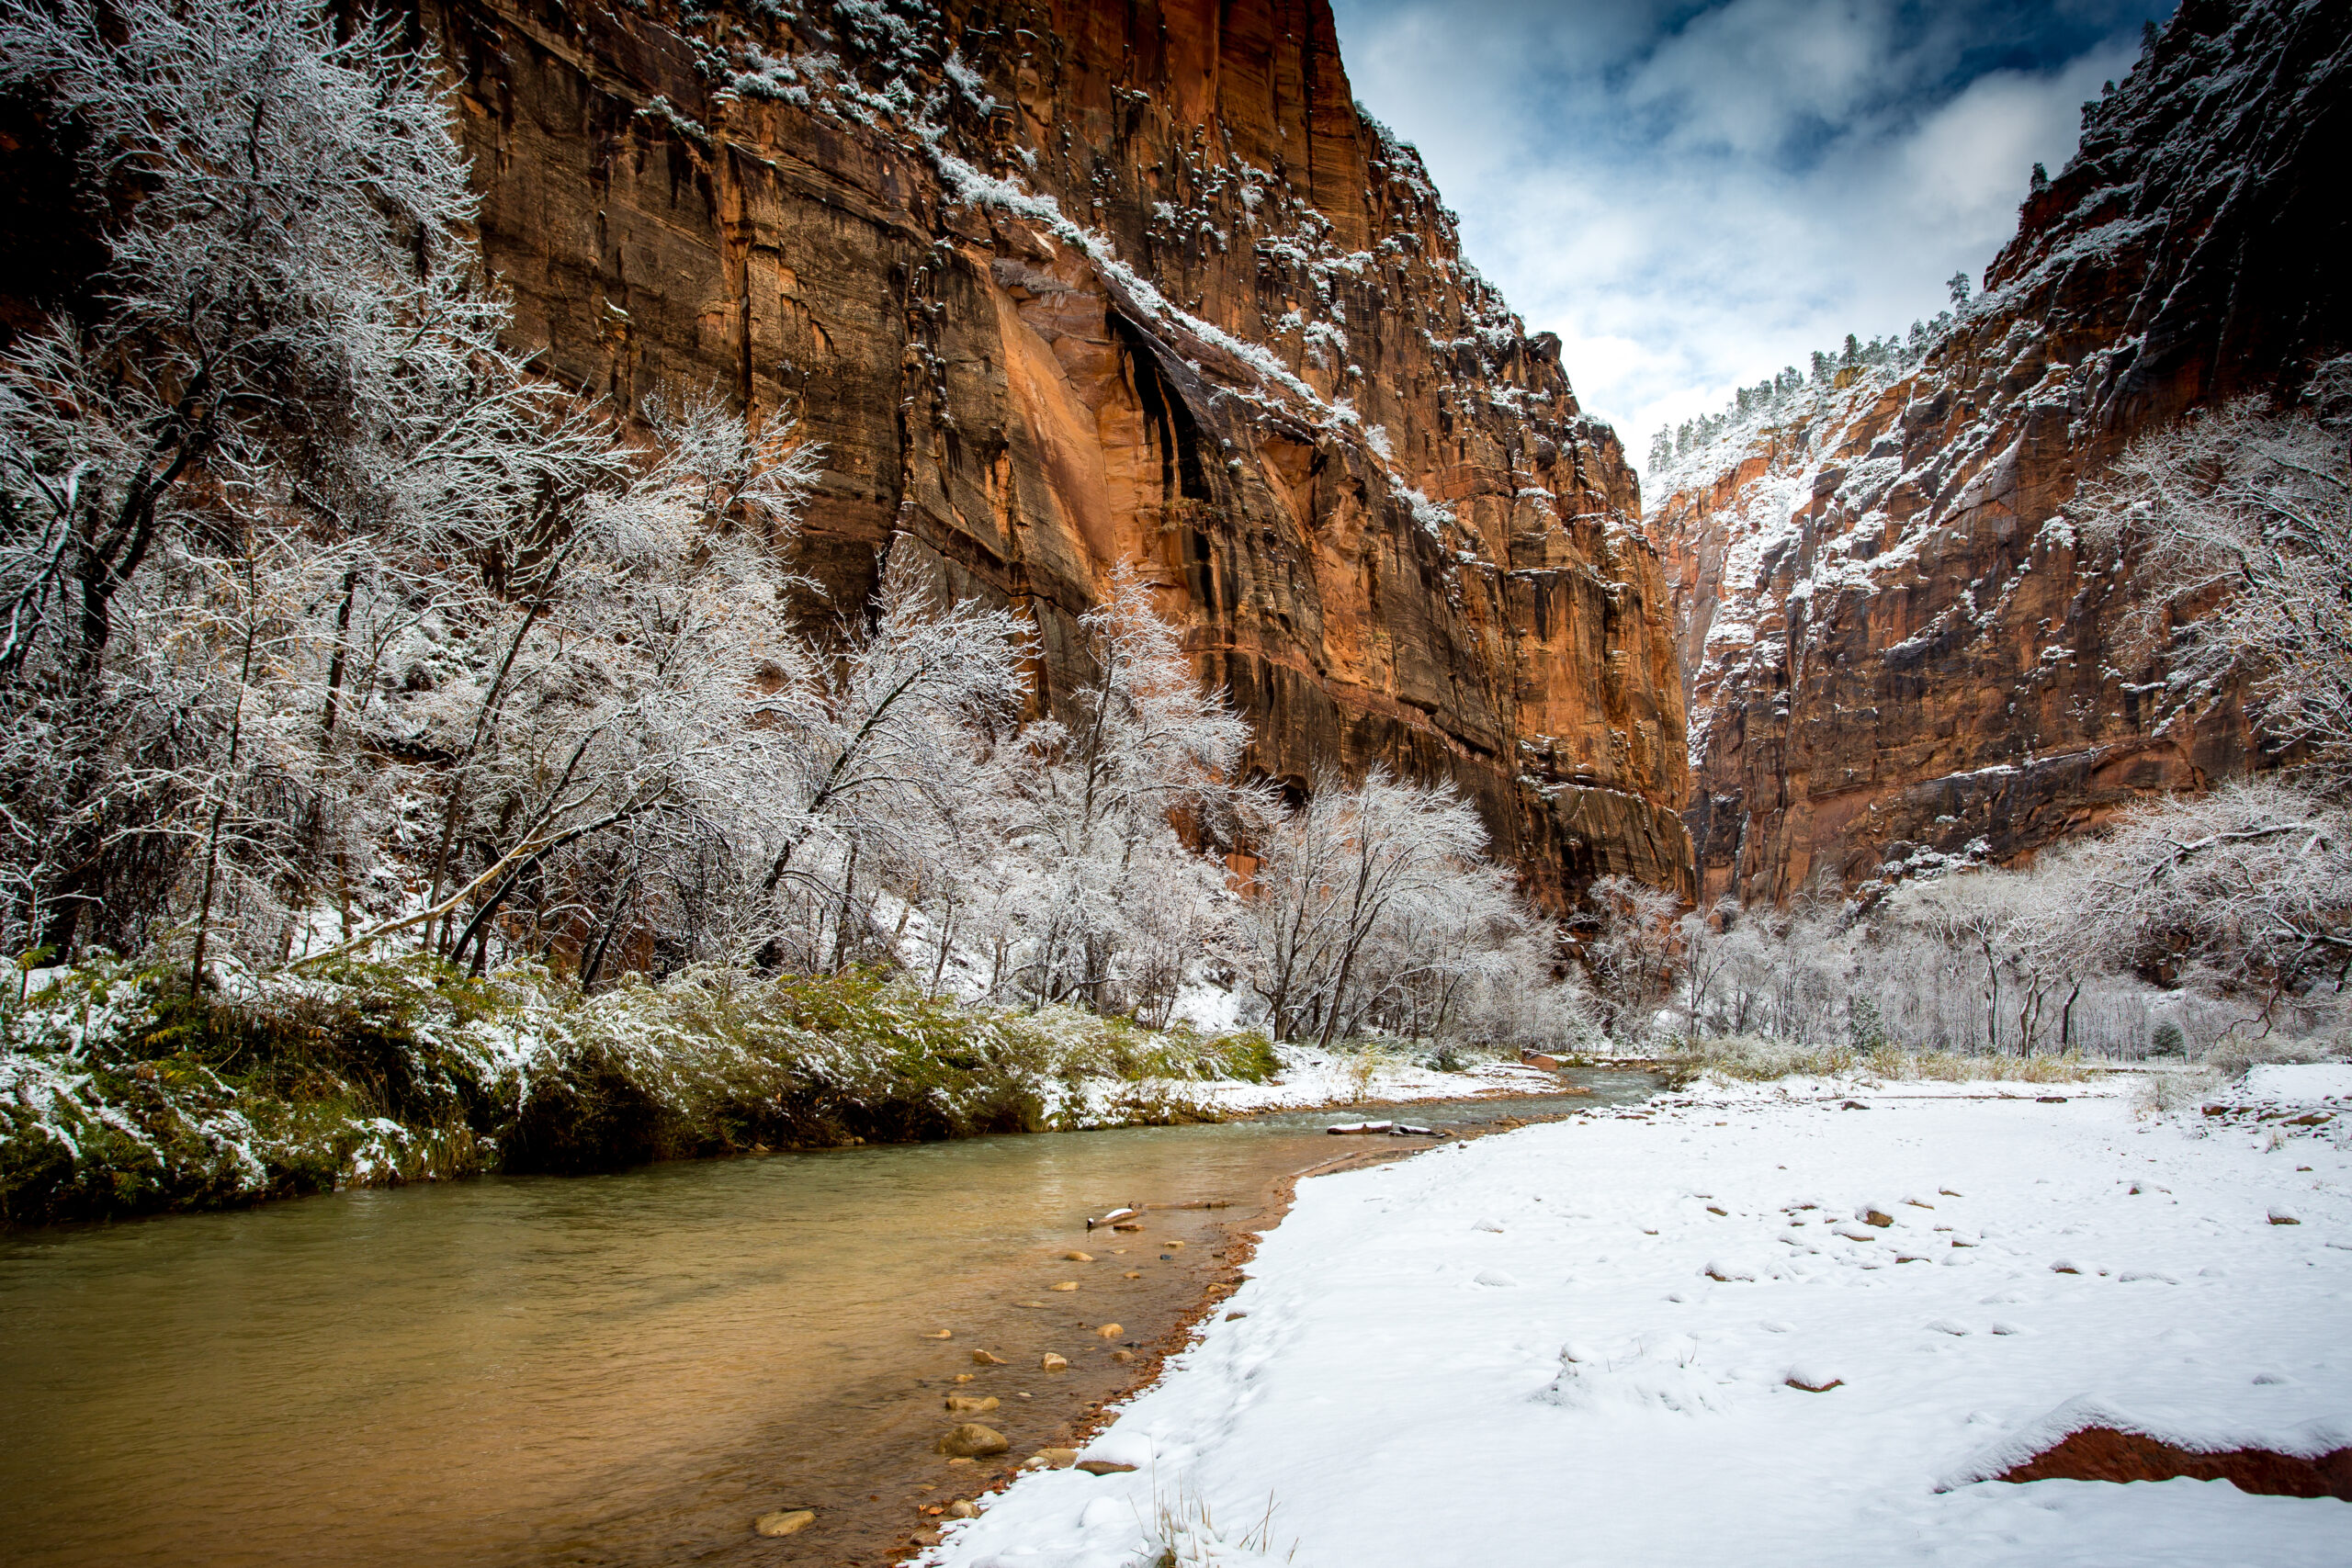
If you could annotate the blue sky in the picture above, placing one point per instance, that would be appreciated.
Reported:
(1693, 195)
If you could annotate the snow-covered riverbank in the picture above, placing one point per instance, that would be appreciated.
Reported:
(1579, 1343)
(1311, 1077)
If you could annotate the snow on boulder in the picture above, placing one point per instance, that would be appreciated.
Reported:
(1117, 1450)
(1495, 1278)
(2017, 1451)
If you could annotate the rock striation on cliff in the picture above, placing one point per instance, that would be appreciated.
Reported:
(1898, 652)
(1063, 285)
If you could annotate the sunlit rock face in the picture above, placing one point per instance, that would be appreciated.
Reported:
(1896, 649)
(1066, 284)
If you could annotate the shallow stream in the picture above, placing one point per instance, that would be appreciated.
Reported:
(611, 1370)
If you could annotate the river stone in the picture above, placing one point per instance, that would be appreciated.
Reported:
(1122, 1354)
(1104, 1467)
(1132, 1274)
(962, 1509)
(964, 1377)
(943, 1334)
(962, 1403)
(981, 1357)
(1078, 1258)
(972, 1441)
(1110, 1331)
(1054, 1458)
(1054, 1363)
(784, 1521)
(1065, 1285)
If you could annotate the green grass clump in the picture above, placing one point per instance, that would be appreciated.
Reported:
(123, 1094)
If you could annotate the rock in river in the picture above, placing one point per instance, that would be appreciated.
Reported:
(972, 1441)
(784, 1521)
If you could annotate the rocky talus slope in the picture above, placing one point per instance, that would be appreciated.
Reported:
(1897, 648)
(1063, 285)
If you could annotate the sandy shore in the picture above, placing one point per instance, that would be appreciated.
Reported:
(1595, 1342)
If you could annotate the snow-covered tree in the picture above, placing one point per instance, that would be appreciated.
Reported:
(1632, 957)
(300, 568)
(2245, 891)
(1104, 882)
(881, 757)
(1350, 864)
(2238, 522)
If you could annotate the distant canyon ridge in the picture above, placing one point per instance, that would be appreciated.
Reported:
(1898, 649)
(1063, 286)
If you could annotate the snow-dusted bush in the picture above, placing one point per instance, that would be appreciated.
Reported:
(119, 1094)
(2158, 1093)
(2237, 522)
(1374, 907)
(1755, 1059)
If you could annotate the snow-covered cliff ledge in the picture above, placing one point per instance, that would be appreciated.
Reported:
(1579, 1343)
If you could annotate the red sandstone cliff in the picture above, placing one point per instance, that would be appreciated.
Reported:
(1065, 284)
(1894, 648)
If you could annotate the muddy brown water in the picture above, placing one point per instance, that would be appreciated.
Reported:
(620, 1369)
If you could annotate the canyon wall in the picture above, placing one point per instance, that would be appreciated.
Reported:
(1899, 653)
(1060, 285)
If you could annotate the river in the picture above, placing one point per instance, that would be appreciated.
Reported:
(616, 1370)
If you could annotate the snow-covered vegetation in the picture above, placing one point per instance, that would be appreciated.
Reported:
(2204, 924)
(2237, 522)
(408, 763)
(120, 1093)
(1698, 447)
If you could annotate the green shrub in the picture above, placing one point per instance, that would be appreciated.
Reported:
(121, 1094)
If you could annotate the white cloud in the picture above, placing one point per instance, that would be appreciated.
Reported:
(1691, 206)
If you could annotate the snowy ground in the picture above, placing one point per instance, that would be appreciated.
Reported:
(1573, 1344)
(1310, 1078)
